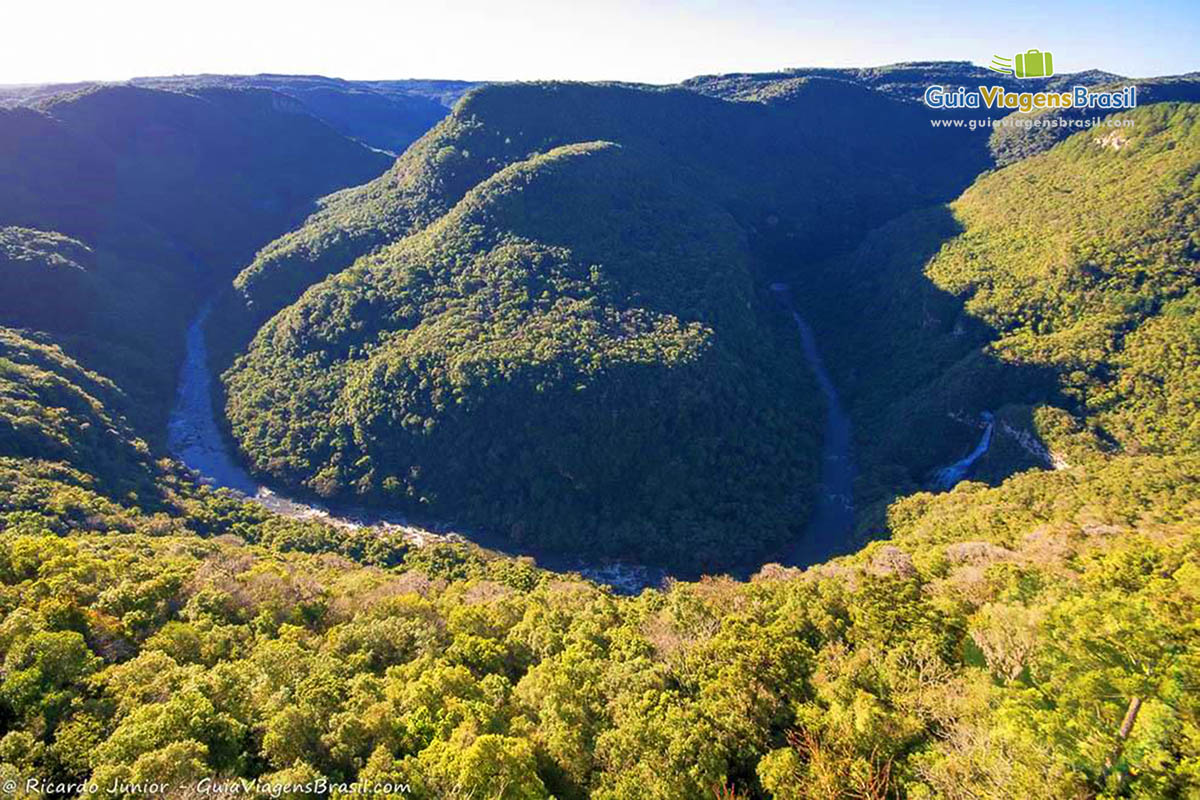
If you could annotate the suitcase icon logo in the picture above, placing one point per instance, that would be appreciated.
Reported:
(1034, 64)
(1030, 64)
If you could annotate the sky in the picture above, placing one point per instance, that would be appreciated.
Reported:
(654, 41)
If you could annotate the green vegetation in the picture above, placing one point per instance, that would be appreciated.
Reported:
(52, 408)
(570, 348)
(567, 336)
(161, 194)
(387, 115)
(1062, 287)
(1017, 139)
(107, 165)
(992, 648)
(903, 81)
(555, 392)
(1084, 261)
(813, 166)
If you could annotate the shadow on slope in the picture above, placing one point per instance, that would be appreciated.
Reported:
(1059, 293)
(813, 164)
(570, 356)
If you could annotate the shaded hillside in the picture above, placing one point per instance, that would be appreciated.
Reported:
(99, 163)
(1013, 136)
(76, 374)
(47, 281)
(387, 115)
(116, 314)
(1066, 282)
(548, 322)
(164, 193)
(754, 156)
(13, 95)
(1018, 138)
(904, 81)
(563, 382)
(53, 409)
(575, 345)
(446, 92)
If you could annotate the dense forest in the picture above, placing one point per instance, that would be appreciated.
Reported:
(779, 166)
(550, 318)
(153, 197)
(568, 337)
(993, 647)
(1059, 291)
(384, 115)
(903, 81)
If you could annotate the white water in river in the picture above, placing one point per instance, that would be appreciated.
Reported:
(192, 433)
(947, 477)
(195, 438)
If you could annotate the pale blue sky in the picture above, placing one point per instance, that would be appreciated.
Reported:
(657, 41)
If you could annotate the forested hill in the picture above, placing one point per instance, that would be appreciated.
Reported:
(386, 115)
(903, 81)
(564, 300)
(1059, 292)
(122, 209)
(166, 192)
(91, 163)
(1011, 143)
(565, 335)
(813, 150)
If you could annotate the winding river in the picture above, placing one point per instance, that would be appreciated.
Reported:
(830, 529)
(196, 439)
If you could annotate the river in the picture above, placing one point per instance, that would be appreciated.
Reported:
(830, 529)
(195, 438)
(947, 477)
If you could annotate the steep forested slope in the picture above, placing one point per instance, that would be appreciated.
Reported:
(568, 382)
(101, 162)
(108, 314)
(1035, 638)
(46, 280)
(810, 165)
(388, 115)
(162, 194)
(575, 349)
(1067, 280)
(1022, 135)
(53, 409)
(903, 81)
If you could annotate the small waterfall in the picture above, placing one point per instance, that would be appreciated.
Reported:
(947, 477)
